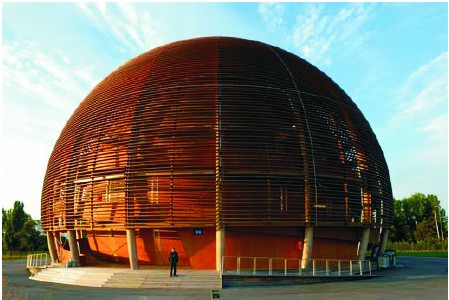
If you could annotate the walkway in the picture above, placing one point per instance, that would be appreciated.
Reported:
(414, 278)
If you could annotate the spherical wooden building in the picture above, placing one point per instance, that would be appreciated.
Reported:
(219, 147)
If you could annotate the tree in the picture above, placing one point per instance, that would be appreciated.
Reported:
(418, 217)
(13, 221)
(442, 218)
(424, 230)
(20, 232)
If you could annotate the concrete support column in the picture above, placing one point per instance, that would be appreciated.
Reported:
(132, 248)
(307, 246)
(364, 243)
(219, 247)
(383, 242)
(52, 247)
(74, 250)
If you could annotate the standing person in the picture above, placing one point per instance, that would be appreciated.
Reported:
(173, 260)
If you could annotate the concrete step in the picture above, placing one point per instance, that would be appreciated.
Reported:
(161, 279)
(74, 276)
(126, 278)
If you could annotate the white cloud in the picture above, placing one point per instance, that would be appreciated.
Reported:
(316, 34)
(45, 78)
(133, 29)
(272, 14)
(436, 130)
(41, 89)
(424, 91)
(421, 170)
(42, 86)
(417, 134)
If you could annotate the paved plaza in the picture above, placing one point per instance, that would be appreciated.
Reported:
(413, 278)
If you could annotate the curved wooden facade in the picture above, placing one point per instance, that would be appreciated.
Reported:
(216, 132)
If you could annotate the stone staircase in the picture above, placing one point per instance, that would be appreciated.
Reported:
(95, 277)
(199, 279)
(126, 278)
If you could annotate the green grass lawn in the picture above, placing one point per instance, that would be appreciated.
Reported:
(16, 255)
(13, 256)
(423, 253)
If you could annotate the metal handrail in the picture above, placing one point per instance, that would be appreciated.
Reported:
(38, 260)
(273, 266)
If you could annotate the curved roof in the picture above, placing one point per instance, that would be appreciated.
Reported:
(216, 131)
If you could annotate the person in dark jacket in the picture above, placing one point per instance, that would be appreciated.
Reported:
(173, 260)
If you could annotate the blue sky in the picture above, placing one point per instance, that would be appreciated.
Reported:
(390, 58)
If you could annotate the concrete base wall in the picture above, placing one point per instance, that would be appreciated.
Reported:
(198, 251)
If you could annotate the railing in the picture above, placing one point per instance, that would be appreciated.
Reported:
(269, 266)
(38, 260)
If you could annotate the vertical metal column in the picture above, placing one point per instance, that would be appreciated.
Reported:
(383, 242)
(74, 250)
(219, 228)
(52, 247)
(307, 248)
(219, 247)
(132, 249)
(364, 243)
(220, 231)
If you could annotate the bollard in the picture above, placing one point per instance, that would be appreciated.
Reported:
(215, 294)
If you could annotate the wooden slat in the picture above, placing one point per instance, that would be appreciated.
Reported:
(216, 131)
